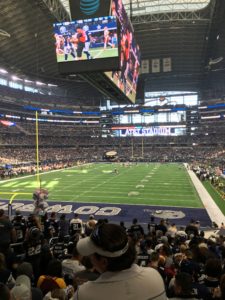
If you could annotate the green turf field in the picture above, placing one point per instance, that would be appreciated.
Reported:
(153, 184)
(95, 53)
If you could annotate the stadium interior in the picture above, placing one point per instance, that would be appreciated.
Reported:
(148, 145)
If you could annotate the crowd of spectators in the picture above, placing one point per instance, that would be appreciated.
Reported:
(23, 154)
(52, 133)
(72, 143)
(22, 160)
(51, 257)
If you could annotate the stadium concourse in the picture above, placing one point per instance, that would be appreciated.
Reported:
(112, 149)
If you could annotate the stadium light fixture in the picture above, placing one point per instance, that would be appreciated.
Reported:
(215, 61)
(28, 81)
(39, 83)
(15, 78)
(3, 71)
(52, 85)
(4, 33)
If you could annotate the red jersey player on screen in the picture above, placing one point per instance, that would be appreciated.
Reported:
(80, 40)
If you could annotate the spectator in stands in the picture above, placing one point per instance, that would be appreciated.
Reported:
(7, 233)
(113, 256)
(136, 230)
(59, 248)
(192, 228)
(88, 274)
(203, 253)
(222, 287)
(76, 225)
(46, 226)
(4, 292)
(213, 271)
(172, 230)
(5, 274)
(90, 225)
(183, 287)
(188, 265)
(123, 225)
(181, 235)
(219, 293)
(143, 257)
(152, 225)
(33, 221)
(64, 226)
(25, 268)
(19, 224)
(22, 288)
(72, 265)
(33, 247)
(46, 256)
(58, 294)
(53, 222)
(53, 279)
(161, 226)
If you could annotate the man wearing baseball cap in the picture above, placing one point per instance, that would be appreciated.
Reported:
(113, 255)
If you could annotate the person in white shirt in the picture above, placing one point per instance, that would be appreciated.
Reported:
(70, 266)
(113, 256)
(76, 225)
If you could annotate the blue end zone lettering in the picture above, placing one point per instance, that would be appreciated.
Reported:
(108, 211)
(121, 212)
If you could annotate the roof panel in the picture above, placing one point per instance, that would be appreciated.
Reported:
(140, 7)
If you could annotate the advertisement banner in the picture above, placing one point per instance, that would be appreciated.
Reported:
(156, 65)
(167, 64)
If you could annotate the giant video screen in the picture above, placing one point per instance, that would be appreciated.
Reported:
(81, 44)
(126, 79)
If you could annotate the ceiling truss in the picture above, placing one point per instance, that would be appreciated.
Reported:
(57, 9)
(172, 16)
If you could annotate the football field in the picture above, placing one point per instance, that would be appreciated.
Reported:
(142, 183)
(99, 52)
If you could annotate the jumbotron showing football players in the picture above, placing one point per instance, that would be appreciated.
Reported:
(86, 39)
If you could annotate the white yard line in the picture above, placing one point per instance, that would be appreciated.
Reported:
(213, 210)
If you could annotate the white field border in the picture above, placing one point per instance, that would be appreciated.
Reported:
(212, 209)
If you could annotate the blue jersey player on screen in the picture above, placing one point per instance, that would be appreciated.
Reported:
(87, 42)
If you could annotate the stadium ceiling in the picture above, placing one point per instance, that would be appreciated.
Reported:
(190, 32)
(145, 7)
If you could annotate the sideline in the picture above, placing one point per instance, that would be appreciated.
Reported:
(43, 173)
(212, 209)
